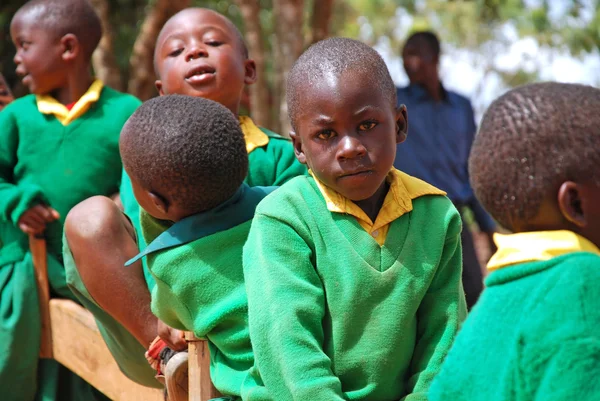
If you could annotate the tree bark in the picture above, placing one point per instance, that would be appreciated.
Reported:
(141, 63)
(288, 22)
(321, 18)
(103, 59)
(259, 92)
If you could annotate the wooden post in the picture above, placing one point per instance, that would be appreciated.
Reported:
(37, 246)
(199, 384)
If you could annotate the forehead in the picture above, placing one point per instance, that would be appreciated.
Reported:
(193, 21)
(340, 95)
(418, 47)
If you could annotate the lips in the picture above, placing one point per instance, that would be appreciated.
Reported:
(200, 73)
(356, 173)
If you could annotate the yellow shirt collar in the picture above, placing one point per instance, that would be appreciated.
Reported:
(253, 135)
(48, 105)
(537, 246)
(398, 201)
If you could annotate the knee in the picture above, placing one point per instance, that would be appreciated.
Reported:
(91, 220)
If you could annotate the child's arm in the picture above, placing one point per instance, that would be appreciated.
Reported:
(440, 314)
(286, 307)
(15, 198)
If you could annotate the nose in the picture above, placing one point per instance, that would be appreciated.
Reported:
(17, 58)
(196, 51)
(350, 147)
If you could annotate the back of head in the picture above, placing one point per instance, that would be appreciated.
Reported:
(329, 59)
(60, 17)
(191, 151)
(532, 140)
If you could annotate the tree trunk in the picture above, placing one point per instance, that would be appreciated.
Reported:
(141, 63)
(259, 92)
(321, 17)
(288, 16)
(103, 59)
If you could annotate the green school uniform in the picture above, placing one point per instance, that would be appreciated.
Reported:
(271, 162)
(334, 315)
(43, 161)
(200, 283)
(533, 334)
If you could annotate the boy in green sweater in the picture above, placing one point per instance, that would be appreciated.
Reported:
(533, 335)
(353, 275)
(58, 146)
(187, 161)
(199, 53)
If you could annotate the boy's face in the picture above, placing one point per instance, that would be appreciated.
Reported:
(199, 54)
(346, 132)
(39, 55)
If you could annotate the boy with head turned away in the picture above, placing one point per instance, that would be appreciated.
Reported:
(187, 161)
(533, 335)
(353, 274)
(58, 146)
(199, 53)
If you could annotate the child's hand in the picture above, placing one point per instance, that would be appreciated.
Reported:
(173, 337)
(34, 220)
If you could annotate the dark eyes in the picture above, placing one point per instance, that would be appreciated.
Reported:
(367, 125)
(176, 52)
(214, 43)
(325, 134)
(24, 45)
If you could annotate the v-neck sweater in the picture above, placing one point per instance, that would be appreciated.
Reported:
(43, 161)
(533, 335)
(333, 315)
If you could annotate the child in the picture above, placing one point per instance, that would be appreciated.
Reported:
(187, 161)
(533, 335)
(353, 276)
(199, 53)
(58, 146)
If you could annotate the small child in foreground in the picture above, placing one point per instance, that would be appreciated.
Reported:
(533, 335)
(187, 161)
(199, 53)
(353, 275)
(58, 146)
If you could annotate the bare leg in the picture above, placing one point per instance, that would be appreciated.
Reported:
(101, 240)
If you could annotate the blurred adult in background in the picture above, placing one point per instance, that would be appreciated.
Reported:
(441, 131)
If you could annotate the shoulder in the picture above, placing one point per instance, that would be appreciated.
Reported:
(273, 135)
(293, 197)
(113, 97)
(19, 104)
(459, 99)
(277, 142)
(433, 212)
(567, 300)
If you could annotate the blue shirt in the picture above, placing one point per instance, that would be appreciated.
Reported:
(440, 135)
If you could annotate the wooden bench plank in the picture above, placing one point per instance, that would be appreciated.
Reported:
(79, 346)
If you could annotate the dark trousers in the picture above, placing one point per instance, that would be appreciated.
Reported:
(471, 275)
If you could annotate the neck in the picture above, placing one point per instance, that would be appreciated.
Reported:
(77, 84)
(433, 87)
(372, 205)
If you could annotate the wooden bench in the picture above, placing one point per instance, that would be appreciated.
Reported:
(70, 336)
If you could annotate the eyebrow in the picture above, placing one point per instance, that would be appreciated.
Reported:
(363, 110)
(322, 120)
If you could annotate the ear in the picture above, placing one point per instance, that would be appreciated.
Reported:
(250, 72)
(161, 203)
(70, 47)
(297, 143)
(158, 84)
(401, 123)
(570, 203)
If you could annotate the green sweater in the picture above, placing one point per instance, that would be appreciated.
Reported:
(42, 161)
(269, 165)
(200, 287)
(335, 316)
(533, 335)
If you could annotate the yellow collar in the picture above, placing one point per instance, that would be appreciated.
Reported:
(48, 105)
(537, 246)
(398, 201)
(253, 135)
